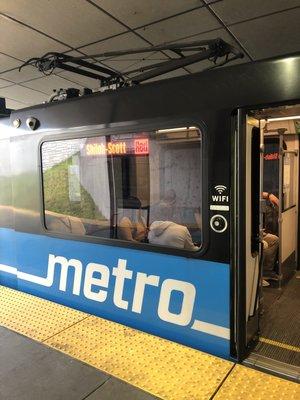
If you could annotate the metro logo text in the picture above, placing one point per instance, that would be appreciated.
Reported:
(120, 291)
(97, 281)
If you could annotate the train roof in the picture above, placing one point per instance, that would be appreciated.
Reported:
(265, 82)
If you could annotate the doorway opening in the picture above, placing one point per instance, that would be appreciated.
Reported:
(278, 295)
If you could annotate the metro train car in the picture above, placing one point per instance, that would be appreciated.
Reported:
(143, 205)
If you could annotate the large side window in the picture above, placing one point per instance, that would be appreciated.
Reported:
(141, 187)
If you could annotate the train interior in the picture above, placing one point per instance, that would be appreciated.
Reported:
(278, 296)
(144, 177)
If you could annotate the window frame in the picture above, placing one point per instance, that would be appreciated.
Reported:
(130, 128)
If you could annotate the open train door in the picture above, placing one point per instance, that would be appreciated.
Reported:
(246, 247)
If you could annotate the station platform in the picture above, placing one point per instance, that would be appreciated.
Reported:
(48, 351)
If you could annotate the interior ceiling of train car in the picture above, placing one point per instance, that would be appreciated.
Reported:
(30, 28)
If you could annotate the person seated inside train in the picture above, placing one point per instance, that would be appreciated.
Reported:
(171, 234)
(64, 223)
(271, 245)
(132, 225)
(167, 205)
(270, 237)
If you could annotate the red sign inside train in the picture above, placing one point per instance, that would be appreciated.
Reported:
(141, 146)
(271, 156)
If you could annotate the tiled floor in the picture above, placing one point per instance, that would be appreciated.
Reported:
(70, 351)
(32, 371)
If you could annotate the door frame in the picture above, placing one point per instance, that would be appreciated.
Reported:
(246, 330)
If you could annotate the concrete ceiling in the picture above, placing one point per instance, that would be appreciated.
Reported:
(30, 28)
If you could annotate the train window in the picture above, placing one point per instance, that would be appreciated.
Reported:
(141, 187)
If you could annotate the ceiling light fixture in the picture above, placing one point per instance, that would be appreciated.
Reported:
(283, 118)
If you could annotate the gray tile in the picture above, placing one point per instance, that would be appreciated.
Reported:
(135, 61)
(48, 83)
(120, 42)
(270, 36)
(219, 33)
(72, 22)
(7, 62)
(113, 389)
(14, 105)
(23, 94)
(25, 74)
(232, 11)
(184, 25)
(32, 371)
(4, 83)
(22, 42)
(79, 79)
(123, 42)
(136, 13)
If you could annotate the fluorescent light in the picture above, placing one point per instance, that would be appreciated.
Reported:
(283, 118)
(176, 129)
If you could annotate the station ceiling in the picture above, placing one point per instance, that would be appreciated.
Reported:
(30, 28)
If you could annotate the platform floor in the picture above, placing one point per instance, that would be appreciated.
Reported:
(77, 356)
(280, 325)
(31, 370)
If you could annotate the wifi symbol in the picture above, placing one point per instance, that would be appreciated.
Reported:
(220, 188)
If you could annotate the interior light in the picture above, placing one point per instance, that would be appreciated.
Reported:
(176, 129)
(283, 118)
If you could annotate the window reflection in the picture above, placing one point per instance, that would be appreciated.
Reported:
(143, 187)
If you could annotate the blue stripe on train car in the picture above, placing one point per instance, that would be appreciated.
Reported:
(181, 299)
(8, 258)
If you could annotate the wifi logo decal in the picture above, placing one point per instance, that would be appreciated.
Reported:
(220, 188)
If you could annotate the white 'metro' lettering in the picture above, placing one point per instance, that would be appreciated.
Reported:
(65, 265)
(90, 280)
(96, 286)
(189, 293)
(121, 273)
(141, 281)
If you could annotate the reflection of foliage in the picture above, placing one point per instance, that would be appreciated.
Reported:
(56, 194)
(18, 190)
(5, 192)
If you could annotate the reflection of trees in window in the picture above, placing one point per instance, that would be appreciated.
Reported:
(59, 195)
(82, 178)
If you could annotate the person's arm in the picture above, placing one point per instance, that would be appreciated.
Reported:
(141, 234)
(125, 229)
(270, 196)
(265, 195)
(274, 199)
(141, 229)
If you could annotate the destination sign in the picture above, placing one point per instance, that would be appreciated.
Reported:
(96, 149)
(118, 148)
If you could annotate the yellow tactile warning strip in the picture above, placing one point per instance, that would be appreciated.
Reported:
(280, 344)
(163, 368)
(34, 317)
(248, 384)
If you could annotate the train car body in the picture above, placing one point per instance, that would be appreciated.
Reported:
(197, 298)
